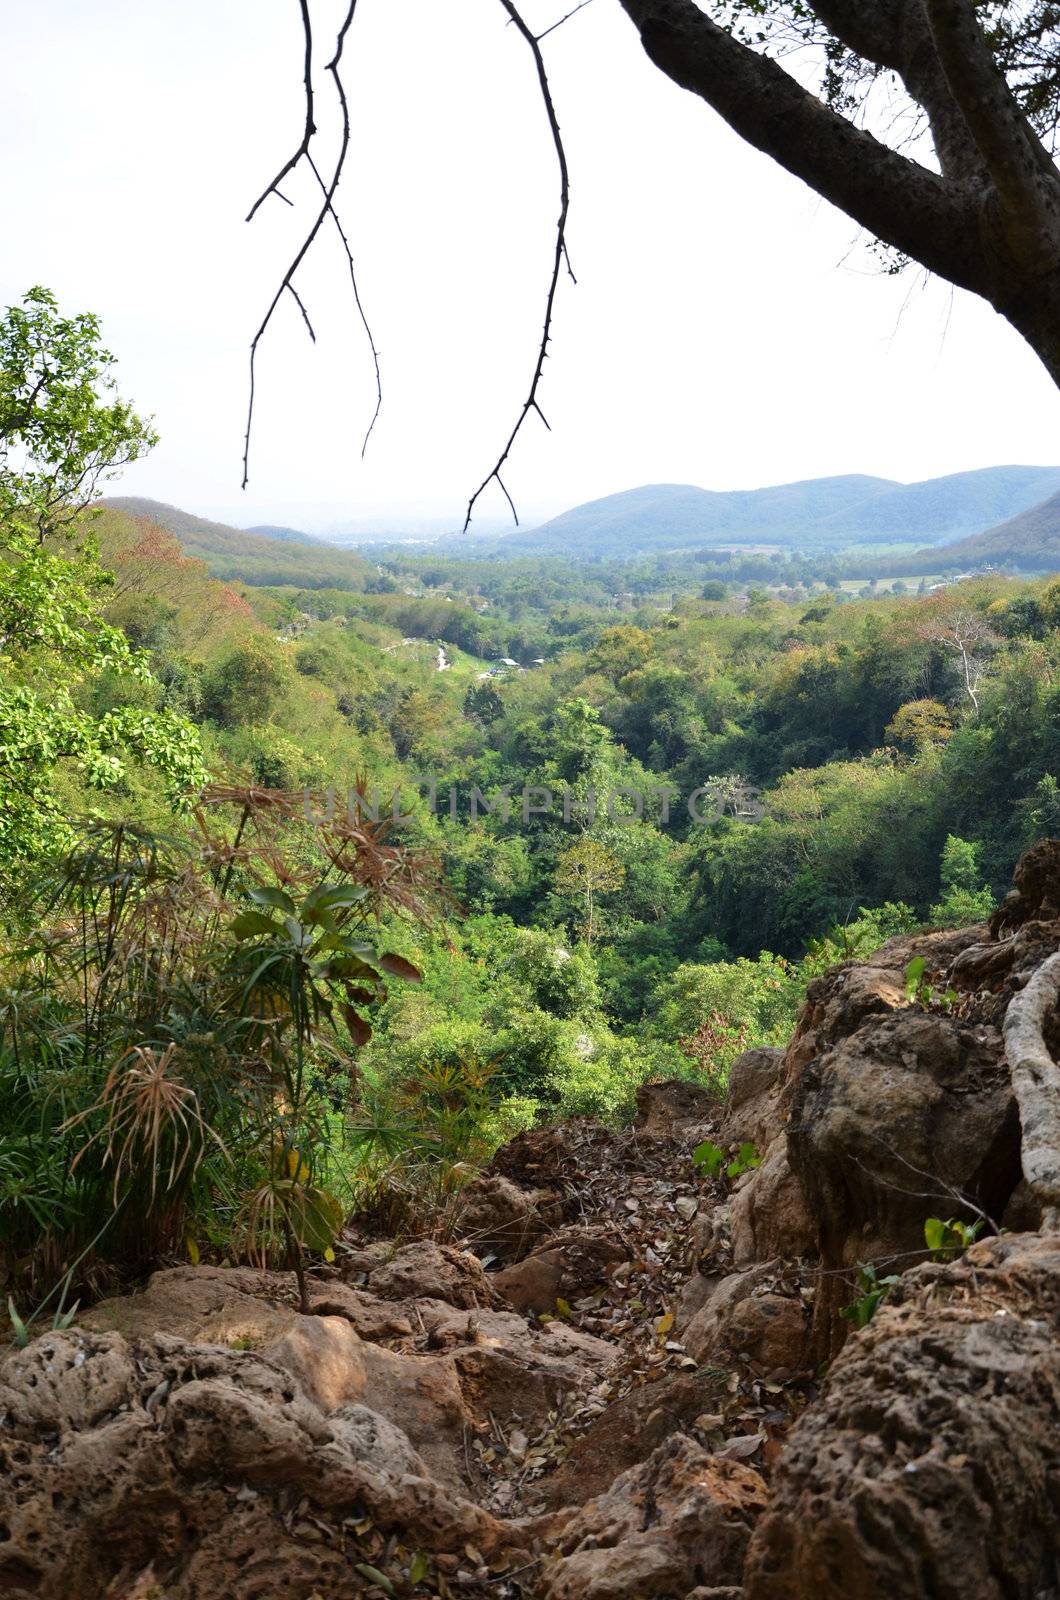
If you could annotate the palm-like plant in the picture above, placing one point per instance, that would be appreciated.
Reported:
(304, 958)
(165, 1019)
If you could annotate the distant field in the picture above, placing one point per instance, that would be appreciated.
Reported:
(855, 585)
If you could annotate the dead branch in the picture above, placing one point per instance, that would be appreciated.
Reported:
(559, 260)
(566, 18)
(1036, 1083)
(327, 209)
(310, 125)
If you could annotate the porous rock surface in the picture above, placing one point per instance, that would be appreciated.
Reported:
(208, 1468)
(930, 1467)
(660, 1528)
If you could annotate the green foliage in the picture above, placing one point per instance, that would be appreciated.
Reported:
(247, 683)
(965, 898)
(61, 430)
(872, 1291)
(588, 870)
(62, 426)
(951, 1238)
(713, 1160)
(580, 958)
(919, 992)
(719, 1010)
(173, 1037)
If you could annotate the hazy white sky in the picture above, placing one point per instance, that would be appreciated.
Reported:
(727, 329)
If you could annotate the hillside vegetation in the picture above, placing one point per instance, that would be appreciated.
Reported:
(1029, 542)
(272, 557)
(318, 891)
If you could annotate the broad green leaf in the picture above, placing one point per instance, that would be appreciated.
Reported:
(269, 896)
(320, 902)
(914, 974)
(316, 1216)
(253, 924)
(710, 1157)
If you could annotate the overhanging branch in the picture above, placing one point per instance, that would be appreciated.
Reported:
(559, 259)
(1015, 157)
(917, 211)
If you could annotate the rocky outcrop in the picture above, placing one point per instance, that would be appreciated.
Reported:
(661, 1529)
(929, 1467)
(908, 1117)
(756, 1315)
(433, 1272)
(196, 1471)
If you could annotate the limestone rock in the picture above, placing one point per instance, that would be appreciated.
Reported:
(681, 1518)
(896, 1122)
(744, 1315)
(751, 1110)
(929, 1467)
(569, 1264)
(435, 1272)
(497, 1215)
(768, 1214)
(199, 1471)
(663, 1109)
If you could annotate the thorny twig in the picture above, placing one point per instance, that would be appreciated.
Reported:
(560, 259)
(566, 18)
(304, 152)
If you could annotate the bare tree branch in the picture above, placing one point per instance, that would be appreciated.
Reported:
(327, 209)
(571, 13)
(310, 124)
(305, 314)
(560, 259)
(356, 294)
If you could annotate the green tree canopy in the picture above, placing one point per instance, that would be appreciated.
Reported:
(62, 429)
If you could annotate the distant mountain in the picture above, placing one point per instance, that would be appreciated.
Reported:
(676, 515)
(269, 530)
(1029, 542)
(253, 557)
(947, 508)
(815, 512)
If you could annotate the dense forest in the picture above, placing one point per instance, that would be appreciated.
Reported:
(593, 845)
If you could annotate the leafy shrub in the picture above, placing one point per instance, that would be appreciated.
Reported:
(965, 899)
(872, 1292)
(171, 1035)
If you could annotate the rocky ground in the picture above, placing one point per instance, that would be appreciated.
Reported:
(624, 1382)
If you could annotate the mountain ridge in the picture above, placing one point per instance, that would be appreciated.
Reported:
(820, 511)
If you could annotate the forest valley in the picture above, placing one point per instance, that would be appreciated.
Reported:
(290, 1052)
